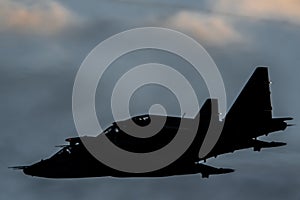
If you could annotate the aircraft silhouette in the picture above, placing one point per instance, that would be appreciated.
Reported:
(249, 117)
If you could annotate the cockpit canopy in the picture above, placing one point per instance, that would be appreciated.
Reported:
(142, 120)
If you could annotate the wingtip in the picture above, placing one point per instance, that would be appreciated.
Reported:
(226, 170)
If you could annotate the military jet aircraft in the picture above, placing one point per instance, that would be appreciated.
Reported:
(248, 118)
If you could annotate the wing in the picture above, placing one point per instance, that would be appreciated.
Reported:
(206, 170)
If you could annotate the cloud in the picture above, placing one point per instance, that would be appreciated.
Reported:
(213, 29)
(282, 10)
(42, 17)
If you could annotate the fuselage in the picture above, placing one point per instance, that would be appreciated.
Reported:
(75, 161)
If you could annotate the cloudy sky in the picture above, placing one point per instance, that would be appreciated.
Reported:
(43, 44)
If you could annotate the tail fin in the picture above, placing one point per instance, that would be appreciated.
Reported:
(254, 101)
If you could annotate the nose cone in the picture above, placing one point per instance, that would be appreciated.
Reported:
(28, 170)
(47, 169)
(38, 169)
(32, 170)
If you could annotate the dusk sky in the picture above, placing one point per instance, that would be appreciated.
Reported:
(43, 44)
